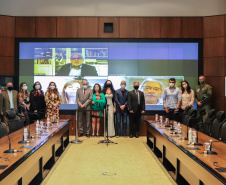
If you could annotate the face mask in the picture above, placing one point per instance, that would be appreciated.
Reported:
(201, 81)
(85, 86)
(52, 87)
(108, 85)
(123, 86)
(185, 86)
(37, 87)
(171, 84)
(136, 87)
(24, 88)
(10, 88)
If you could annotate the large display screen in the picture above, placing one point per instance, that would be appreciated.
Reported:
(150, 62)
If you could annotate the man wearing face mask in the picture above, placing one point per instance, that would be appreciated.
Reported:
(8, 99)
(121, 109)
(203, 95)
(171, 100)
(136, 104)
(84, 97)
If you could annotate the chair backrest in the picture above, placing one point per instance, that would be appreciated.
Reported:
(192, 114)
(206, 125)
(14, 122)
(211, 116)
(25, 113)
(223, 132)
(185, 113)
(3, 130)
(217, 123)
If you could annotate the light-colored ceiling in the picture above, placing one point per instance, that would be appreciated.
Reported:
(112, 7)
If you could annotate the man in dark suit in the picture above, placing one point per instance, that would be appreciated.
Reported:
(84, 97)
(77, 68)
(121, 109)
(8, 99)
(136, 108)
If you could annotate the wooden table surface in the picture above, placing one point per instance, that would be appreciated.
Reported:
(15, 159)
(206, 160)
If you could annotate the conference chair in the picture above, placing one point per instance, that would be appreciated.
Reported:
(3, 130)
(13, 121)
(217, 123)
(184, 113)
(28, 117)
(206, 125)
(191, 118)
(223, 132)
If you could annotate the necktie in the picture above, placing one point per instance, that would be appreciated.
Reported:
(84, 93)
(138, 98)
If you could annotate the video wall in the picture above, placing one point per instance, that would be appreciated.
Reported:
(149, 62)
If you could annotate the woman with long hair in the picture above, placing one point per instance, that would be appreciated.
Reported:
(98, 103)
(24, 96)
(52, 99)
(187, 95)
(69, 91)
(37, 100)
(109, 93)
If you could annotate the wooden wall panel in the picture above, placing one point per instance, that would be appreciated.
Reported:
(192, 27)
(7, 66)
(101, 22)
(129, 27)
(7, 46)
(214, 47)
(171, 27)
(25, 27)
(218, 103)
(45, 27)
(67, 27)
(2, 64)
(87, 27)
(217, 84)
(150, 27)
(214, 26)
(214, 66)
(7, 27)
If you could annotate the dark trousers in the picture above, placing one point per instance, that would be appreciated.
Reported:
(121, 117)
(134, 122)
(171, 115)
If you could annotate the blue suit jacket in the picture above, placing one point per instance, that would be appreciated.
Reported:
(121, 99)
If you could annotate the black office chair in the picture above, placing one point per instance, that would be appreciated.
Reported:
(186, 110)
(29, 116)
(17, 113)
(3, 130)
(190, 117)
(217, 123)
(13, 121)
(206, 125)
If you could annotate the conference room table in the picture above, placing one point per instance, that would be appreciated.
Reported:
(34, 160)
(187, 163)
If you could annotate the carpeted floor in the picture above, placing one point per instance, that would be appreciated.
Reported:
(130, 159)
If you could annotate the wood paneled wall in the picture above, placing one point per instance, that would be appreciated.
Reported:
(212, 29)
(214, 57)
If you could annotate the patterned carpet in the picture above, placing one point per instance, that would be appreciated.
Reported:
(128, 162)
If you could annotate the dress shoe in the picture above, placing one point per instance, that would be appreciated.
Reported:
(87, 135)
(80, 135)
(131, 135)
(137, 135)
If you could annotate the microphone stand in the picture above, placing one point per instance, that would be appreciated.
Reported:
(197, 138)
(186, 138)
(211, 147)
(106, 126)
(9, 150)
(76, 141)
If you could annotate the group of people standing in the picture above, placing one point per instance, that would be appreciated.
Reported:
(91, 103)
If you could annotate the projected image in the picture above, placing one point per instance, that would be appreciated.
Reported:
(152, 86)
(71, 62)
(68, 86)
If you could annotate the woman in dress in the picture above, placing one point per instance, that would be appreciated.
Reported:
(109, 95)
(187, 95)
(52, 99)
(24, 96)
(98, 103)
(37, 100)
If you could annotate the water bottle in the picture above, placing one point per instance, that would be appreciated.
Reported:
(190, 136)
(48, 124)
(156, 117)
(37, 128)
(25, 134)
(54, 118)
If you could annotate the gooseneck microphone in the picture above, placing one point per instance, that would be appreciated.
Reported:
(10, 150)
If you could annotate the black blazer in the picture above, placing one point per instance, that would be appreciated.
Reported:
(37, 102)
(133, 101)
(86, 70)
